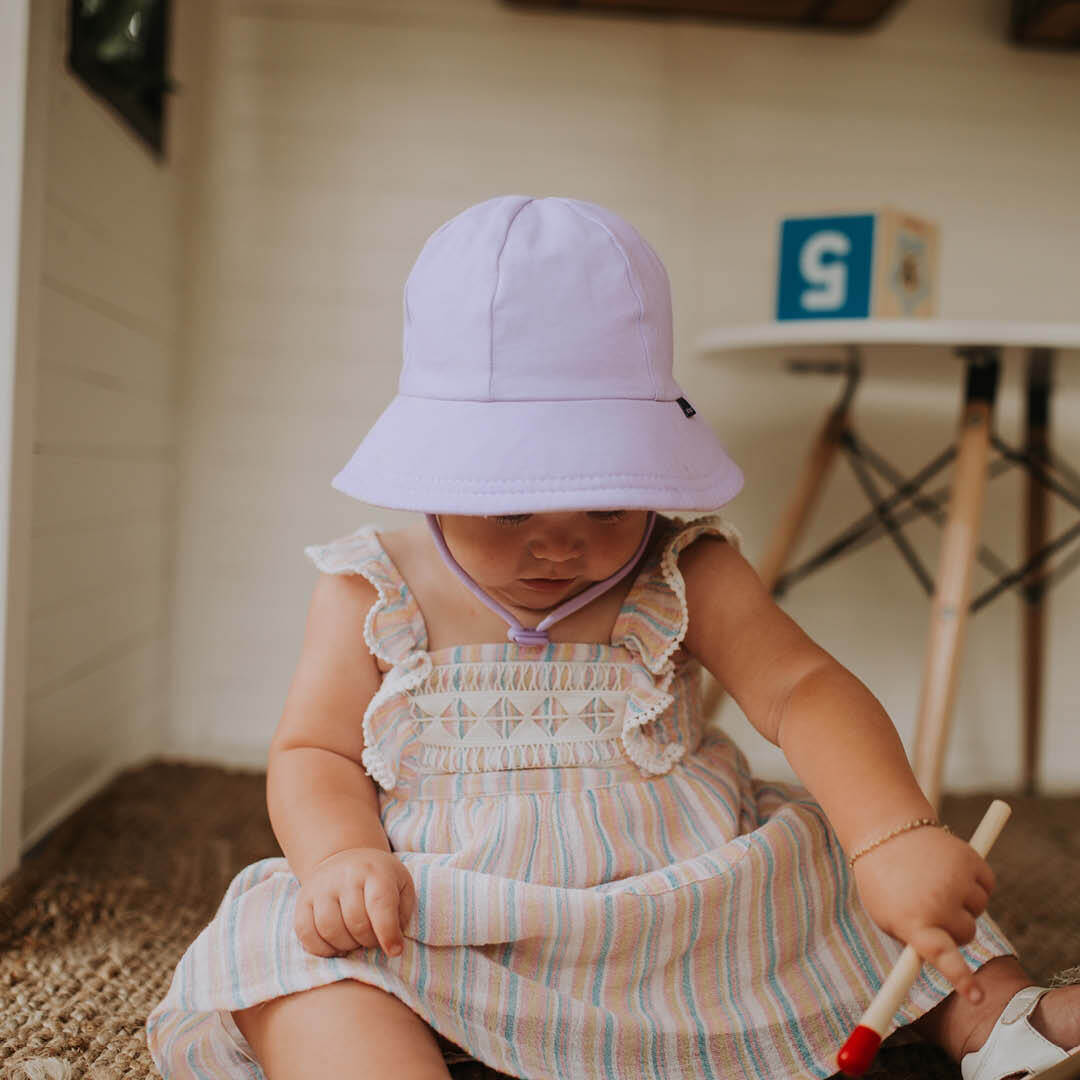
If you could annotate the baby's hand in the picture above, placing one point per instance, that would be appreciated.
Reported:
(357, 898)
(926, 888)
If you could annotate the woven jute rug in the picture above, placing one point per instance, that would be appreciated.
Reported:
(95, 920)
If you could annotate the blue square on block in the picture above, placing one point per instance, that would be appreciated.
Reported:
(825, 267)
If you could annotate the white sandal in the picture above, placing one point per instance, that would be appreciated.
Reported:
(1015, 1048)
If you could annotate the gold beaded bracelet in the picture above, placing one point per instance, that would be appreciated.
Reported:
(916, 824)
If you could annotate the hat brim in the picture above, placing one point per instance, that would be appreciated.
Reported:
(516, 457)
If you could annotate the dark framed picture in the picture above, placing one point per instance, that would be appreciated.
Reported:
(1054, 23)
(119, 48)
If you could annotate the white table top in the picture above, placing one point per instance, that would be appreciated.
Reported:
(806, 332)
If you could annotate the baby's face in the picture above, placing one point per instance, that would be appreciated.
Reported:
(536, 561)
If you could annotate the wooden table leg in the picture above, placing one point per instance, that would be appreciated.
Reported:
(793, 522)
(1035, 529)
(952, 593)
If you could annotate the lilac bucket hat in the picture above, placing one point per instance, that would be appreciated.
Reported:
(537, 375)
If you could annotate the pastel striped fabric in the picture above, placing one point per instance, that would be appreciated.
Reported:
(603, 889)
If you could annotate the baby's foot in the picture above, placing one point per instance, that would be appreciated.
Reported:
(1057, 1016)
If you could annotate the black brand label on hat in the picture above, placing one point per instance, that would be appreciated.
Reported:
(687, 408)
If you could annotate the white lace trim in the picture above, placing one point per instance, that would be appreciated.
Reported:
(646, 753)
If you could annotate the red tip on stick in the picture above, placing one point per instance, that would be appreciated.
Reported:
(858, 1052)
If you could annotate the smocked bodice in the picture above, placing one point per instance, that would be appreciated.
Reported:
(504, 706)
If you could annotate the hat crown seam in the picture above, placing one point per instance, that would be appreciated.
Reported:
(494, 293)
(633, 288)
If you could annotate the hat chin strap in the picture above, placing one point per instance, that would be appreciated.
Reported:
(524, 635)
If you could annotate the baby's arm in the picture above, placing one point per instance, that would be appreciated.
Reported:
(323, 806)
(320, 799)
(833, 731)
(924, 886)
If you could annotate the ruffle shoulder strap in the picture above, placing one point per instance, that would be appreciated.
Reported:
(395, 632)
(394, 627)
(654, 618)
(652, 625)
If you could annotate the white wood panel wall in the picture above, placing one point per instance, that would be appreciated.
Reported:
(18, 100)
(342, 133)
(104, 454)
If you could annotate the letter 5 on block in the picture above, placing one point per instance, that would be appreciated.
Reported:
(853, 266)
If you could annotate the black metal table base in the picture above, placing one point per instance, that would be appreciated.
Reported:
(907, 501)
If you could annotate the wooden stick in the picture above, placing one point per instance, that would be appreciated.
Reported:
(858, 1052)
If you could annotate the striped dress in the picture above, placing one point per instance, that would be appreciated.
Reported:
(603, 889)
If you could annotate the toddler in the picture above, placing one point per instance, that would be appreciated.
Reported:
(503, 816)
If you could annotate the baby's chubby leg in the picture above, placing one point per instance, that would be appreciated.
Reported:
(346, 1029)
(959, 1027)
